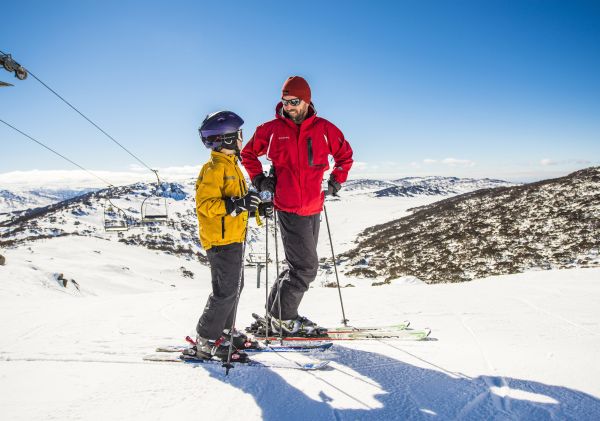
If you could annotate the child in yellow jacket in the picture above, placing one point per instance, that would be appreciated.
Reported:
(223, 203)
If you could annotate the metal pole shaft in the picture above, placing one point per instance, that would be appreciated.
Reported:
(266, 279)
(280, 281)
(337, 279)
(228, 364)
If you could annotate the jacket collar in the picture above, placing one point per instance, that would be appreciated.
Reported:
(220, 156)
(311, 116)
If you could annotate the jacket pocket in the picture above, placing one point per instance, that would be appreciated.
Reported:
(309, 145)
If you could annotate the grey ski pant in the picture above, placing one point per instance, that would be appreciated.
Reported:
(299, 235)
(225, 266)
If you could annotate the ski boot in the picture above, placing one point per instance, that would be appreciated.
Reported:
(240, 340)
(299, 326)
(208, 349)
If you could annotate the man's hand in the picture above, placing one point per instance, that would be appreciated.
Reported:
(235, 205)
(264, 183)
(333, 187)
(266, 209)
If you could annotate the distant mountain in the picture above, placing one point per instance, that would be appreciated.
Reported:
(364, 184)
(427, 186)
(549, 224)
(11, 201)
(414, 186)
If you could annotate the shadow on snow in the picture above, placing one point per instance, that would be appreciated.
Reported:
(383, 388)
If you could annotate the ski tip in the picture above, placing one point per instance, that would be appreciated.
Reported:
(316, 365)
(425, 335)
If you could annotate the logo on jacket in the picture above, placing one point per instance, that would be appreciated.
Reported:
(283, 137)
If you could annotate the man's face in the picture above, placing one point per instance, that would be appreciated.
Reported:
(296, 112)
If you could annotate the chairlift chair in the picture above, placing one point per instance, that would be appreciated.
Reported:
(255, 259)
(154, 208)
(115, 218)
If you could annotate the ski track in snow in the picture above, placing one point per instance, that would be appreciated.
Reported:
(556, 316)
(501, 404)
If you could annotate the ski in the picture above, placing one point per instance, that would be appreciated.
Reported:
(291, 365)
(398, 331)
(308, 346)
(406, 335)
(400, 326)
(344, 329)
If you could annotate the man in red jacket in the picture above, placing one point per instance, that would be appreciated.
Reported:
(298, 144)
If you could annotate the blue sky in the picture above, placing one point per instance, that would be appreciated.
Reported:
(504, 89)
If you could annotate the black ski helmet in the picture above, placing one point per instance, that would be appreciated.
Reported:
(221, 130)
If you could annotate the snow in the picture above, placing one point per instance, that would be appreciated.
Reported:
(508, 347)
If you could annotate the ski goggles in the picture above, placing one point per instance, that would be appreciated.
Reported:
(227, 139)
(294, 102)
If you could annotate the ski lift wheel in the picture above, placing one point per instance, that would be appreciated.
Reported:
(9, 64)
(21, 73)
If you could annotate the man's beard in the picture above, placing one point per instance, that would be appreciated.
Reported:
(299, 117)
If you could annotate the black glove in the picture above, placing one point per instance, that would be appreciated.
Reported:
(264, 183)
(266, 209)
(332, 187)
(236, 205)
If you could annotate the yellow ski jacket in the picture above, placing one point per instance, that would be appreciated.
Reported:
(219, 179)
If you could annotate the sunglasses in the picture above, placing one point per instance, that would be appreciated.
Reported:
(295, 102)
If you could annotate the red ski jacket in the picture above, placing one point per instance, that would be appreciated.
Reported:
(299, 154)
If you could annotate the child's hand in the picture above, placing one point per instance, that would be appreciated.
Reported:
(248, 203)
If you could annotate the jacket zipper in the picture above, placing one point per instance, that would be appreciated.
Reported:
(223, 227)
(310, 154)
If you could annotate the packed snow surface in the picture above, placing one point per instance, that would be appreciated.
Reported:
(508, 347)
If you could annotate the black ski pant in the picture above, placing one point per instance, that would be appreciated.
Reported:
(299, 235)
(225, 266)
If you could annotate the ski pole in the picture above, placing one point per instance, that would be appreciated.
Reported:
(267, 279)
(280, 281)
(337, 279)
(228, 364)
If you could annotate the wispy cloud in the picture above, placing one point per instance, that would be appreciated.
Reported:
(451, 162)
(548, 162)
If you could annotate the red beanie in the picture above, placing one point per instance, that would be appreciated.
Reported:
(298, 87)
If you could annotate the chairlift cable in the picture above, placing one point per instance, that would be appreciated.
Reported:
(53, 151)
(90, 121)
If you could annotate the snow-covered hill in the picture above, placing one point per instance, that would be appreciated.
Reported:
(86, 215)
(543, 225)
(80, 307)
(512, 347)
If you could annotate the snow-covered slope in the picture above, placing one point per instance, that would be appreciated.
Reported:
(78, 312)
(512, 347)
